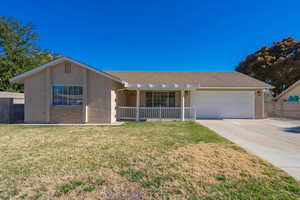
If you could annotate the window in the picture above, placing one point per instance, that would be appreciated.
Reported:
(67, 95)
(160, 99)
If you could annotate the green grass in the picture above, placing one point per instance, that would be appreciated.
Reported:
(138, 160)
(66, 188)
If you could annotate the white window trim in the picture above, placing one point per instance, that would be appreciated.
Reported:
(51, 96)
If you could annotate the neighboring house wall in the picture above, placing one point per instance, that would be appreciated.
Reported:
(295, 91)
(283, 109)
(5, 109)
(11, 111)
(15, 103)
(280, 108)
(18, 97)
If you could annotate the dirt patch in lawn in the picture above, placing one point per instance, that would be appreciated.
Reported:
(210, 162)
(104, 185)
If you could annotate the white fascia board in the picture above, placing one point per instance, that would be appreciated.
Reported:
(63, 59)
(236, 88)
(183, 86)
(37, 69)
(162, 86)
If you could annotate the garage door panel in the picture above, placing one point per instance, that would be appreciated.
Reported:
(223, 104)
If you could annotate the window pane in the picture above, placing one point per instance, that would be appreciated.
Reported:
(77, 95)
(55, 96)
(156, 99)
(67, 95)
(172, 99)
(64, 92)
(160, 99)
(149, 102)
(164, 99)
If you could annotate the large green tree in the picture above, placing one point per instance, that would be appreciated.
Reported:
(18, 51)
(278, 65)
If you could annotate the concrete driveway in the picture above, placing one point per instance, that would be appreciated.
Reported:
(274, 140)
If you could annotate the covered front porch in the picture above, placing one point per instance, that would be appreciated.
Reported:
(155, 104)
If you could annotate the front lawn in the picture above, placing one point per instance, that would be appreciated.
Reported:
(138, 160)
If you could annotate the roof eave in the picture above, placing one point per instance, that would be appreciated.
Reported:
(239, 88)
(187, 86)
(22, 76)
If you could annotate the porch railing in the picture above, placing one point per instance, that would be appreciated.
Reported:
(160, 113)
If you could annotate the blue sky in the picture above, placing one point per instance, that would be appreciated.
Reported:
(197, 35)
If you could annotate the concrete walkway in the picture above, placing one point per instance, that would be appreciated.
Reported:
(274, 140)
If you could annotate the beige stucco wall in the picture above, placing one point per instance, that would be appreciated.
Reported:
(292, 92)
(259, 105)
(283, 109)
(59, 77)
(35, 98)
(99, 96)
(66, 114)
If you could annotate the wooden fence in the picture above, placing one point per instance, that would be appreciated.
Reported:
(283, 109)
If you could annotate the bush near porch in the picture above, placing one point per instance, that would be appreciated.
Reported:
(138, 160)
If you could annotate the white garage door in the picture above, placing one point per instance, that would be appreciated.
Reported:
(223, 104)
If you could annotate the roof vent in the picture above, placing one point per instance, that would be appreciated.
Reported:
(68, 68)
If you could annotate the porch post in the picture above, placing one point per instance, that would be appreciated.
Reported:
(137, 115)
(182, 105)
